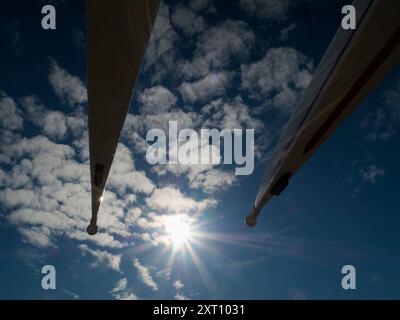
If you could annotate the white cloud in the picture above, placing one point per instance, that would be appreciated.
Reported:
(162, 49)
(221, 114)
(164, 274)
(37, 236)
(161, 199)
(48, 189)
(47, 194)
(156, 100)
(186, 21)
(34, 110)
(180, 296)
(145, 275)
(54, 124)
(10, 115)
(121, 292)
(67, 87)
(132, 216)
(124, 177)
(121, 285)
(14, 198)
(125, 296)
(205, 89)
(178, 285)
(279, 78)
(211, 181)
(217, 46)
(233, 114)
(112, 261)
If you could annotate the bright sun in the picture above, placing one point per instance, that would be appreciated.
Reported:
(178, 230)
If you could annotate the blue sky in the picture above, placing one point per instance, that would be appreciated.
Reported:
(340, 208)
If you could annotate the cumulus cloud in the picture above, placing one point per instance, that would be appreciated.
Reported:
(279, 78)
(10, 115)
(231, 114)
(218, 46)
(46, 193)
(211, 180)
(67, 87)
(161, 51)
(161, 199)
(123, 176)
(186, 21)
(34, 109)
(205, 89)
(156, 100)
(220, 114)
(53, 124)
(145, 275)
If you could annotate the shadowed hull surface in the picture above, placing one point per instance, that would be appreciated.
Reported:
(117, 36)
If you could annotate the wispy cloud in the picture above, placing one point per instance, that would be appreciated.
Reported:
(67, 87)
(180, 296)
(13, 28)
(113, 261)
(371, 173)
(275, 10)
(145, 275)
(121, 292)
